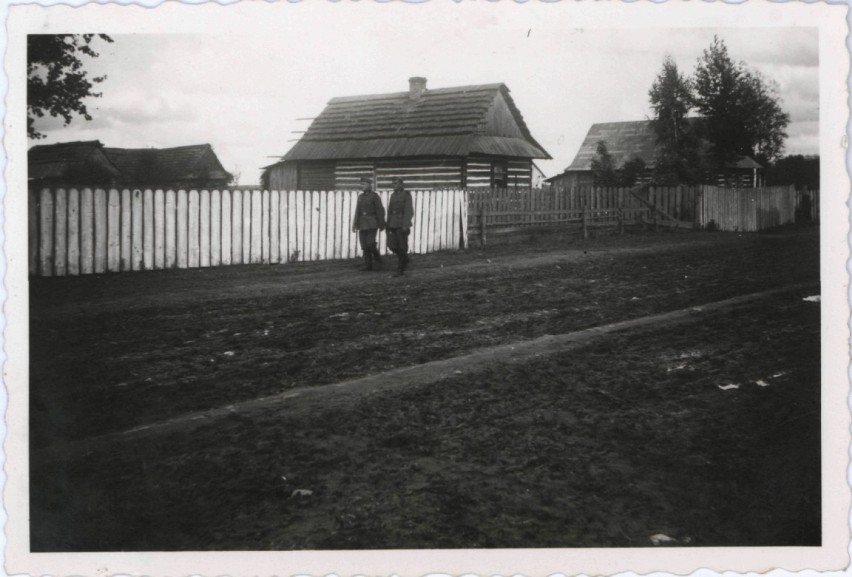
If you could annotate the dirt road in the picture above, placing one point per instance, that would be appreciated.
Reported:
(702, 429)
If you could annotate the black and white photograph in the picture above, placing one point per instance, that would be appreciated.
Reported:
(402, 288)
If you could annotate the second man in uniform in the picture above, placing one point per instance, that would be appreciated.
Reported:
(400, 214)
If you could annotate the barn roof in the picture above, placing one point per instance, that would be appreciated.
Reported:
(167, 164)
(628, 140)
(444, 121)
(624, 141)
(55, 161)
(78, 161)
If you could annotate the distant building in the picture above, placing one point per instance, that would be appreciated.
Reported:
(71, 163)
(469, 136)
(626, 141)
(91, 164)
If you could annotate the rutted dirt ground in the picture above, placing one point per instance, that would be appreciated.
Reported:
(639, 434)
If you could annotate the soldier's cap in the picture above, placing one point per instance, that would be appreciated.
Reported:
(366, 180)
(397, 179)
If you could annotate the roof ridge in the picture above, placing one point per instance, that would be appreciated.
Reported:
(187, 146)
(429, 91)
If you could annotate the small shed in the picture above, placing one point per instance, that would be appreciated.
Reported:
(90, 163)
(626, 141)
(461, 137)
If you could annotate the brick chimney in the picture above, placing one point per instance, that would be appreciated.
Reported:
(416, 87)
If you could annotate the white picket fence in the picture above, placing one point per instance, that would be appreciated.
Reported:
(74, 231)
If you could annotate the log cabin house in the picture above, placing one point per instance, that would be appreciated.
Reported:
(626, 141)
(90, 163)
(462, 137)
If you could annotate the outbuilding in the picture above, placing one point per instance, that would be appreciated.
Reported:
(626, 141)
(90, 163)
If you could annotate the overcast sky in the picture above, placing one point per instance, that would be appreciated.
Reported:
(245, 93)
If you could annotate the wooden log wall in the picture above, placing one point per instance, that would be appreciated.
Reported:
(478, 173)
(421, 174)
(90, 231)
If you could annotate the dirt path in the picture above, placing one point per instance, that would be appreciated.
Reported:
(111, 292)
(409, 377)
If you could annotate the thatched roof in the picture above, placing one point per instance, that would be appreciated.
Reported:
(70, 161)
(628, 140)
(445, 121)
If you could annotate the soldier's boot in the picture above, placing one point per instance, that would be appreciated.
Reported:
(377, 256)
(400, 265)
(368, 260)
(405, 260)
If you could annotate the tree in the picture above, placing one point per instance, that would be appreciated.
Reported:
(801, 171)
(742, 113)
(672, 98)
(766, 122)
(57, 84)
(630, 172)
(606, 174)
(603, 169)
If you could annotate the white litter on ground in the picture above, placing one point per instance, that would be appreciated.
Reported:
(660, 538)
(762, 383)
(229, 353)
(728, 387)
(301, 493)
(781, 374)
(813, 299)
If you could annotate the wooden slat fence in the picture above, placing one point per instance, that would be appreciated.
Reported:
(682, 207)
(812, 198)
(750, 209)
(592, 206)
(74, 231)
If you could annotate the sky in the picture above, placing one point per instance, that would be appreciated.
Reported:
(248, 95)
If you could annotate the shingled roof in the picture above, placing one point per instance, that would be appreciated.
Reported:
(628, 140)
(444, 121)
(70, 160)
(89, 162)
(161, 165)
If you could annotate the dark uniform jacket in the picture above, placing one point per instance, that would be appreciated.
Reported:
(369, 212)
(400, 209)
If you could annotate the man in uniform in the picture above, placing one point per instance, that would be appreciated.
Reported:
(369, 217)
(400, 214)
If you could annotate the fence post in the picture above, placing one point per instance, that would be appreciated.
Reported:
(482, 213)
(654, 209)
(696, 203)
(585, 224)
(620, 220)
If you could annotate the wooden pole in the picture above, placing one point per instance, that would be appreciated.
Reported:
(696, 199)
(656, 218)
(482, 213)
